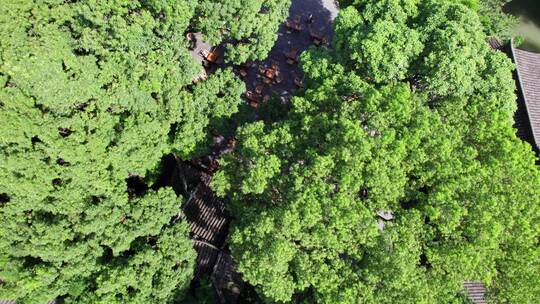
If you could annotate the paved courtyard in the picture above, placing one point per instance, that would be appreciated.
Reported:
(323, 13)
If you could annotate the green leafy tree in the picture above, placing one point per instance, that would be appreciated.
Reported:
(202, 294)
(495, 21)
(248, 27)
(93, 95)
(364, 39)
(436, 149)
(410, 40)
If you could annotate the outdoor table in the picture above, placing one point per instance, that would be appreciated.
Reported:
(290, 25)
(292, 56)
(270, 73)
(279, 78)
(192, 40)
(243, 72)
(253, 104)
(253, 96)
(259, 89)
(298, 82)
(231, 142)
(212, 56)
(261, 69)
(203, 53)
(318, 38)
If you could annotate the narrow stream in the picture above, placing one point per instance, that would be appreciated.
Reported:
(528, 12)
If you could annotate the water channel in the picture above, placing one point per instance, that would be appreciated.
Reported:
(528, 12)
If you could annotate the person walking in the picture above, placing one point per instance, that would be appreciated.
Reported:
(309, 19)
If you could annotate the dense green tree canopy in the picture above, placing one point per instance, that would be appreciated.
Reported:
(422, 33)
(495, 22)
(92, 95)
(424, 132)
(249, 27)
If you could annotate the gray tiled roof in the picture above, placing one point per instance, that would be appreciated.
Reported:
(476, 291)
(14, 302)
(206, 216)
(528, 70)
(207, 255)
(207, 220)
(227, 281)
